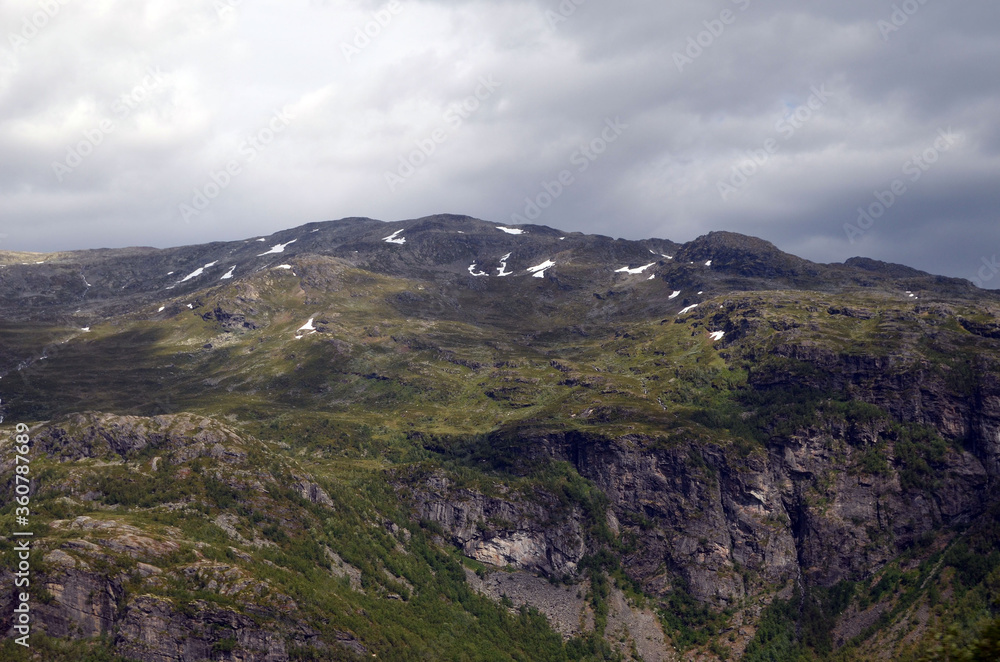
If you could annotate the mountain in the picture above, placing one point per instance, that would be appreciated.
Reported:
(447, 439)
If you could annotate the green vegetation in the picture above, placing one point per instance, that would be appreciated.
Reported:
(292, 504)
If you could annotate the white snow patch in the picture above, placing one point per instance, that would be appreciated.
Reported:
(511, 230)
(162, 308)
(262, 239)
(308, 326)
(472, 270)
(651, 277)
(688, 309)
(708, 264)
(394, 238)
(717, 335)
(40, 262)
(539, 269)
(637, 270)
(86, 329)
(502, 269)
(316, 230)
(700, 292)
(676, 294)
(278, 248)
(171, 273)
(85, 281)
(669, 257)
(191, 306)
(229, 274)
(283, 266)
(197, 272)
(194, 274)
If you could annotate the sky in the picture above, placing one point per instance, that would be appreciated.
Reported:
(831, 128)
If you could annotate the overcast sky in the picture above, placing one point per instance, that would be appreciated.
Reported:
(161, 123)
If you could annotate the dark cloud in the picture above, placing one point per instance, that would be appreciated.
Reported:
(362, 105)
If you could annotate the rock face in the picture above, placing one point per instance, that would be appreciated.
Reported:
(730, 523)
(528, 534)
(87, 603)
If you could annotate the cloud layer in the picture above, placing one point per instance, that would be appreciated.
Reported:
(166, 123)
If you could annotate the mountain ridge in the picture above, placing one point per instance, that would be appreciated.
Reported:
(438, 244)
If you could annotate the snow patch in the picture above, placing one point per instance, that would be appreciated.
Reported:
(262, 239)
(171, 273)
(688, 309)
(86, 329)
(191, 306)
(229, 274)
(637, 270)
(392, 239)
(308, 326)
(676, 294)
(283, 266)
(540, 269)
(717, 335)
(510, 230)
(708, 264)
(197, 272)
(472, 270)
(651, 277)
(162, 308)
(669, 257)
(502, 269)
(278, 248)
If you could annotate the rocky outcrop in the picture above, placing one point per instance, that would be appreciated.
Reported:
(537, 533)
(722, 524)
(83, 601)
(110, 437)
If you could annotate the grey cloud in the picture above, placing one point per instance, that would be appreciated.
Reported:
(225, 75)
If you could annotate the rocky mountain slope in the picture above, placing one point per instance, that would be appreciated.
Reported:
(448, 439)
